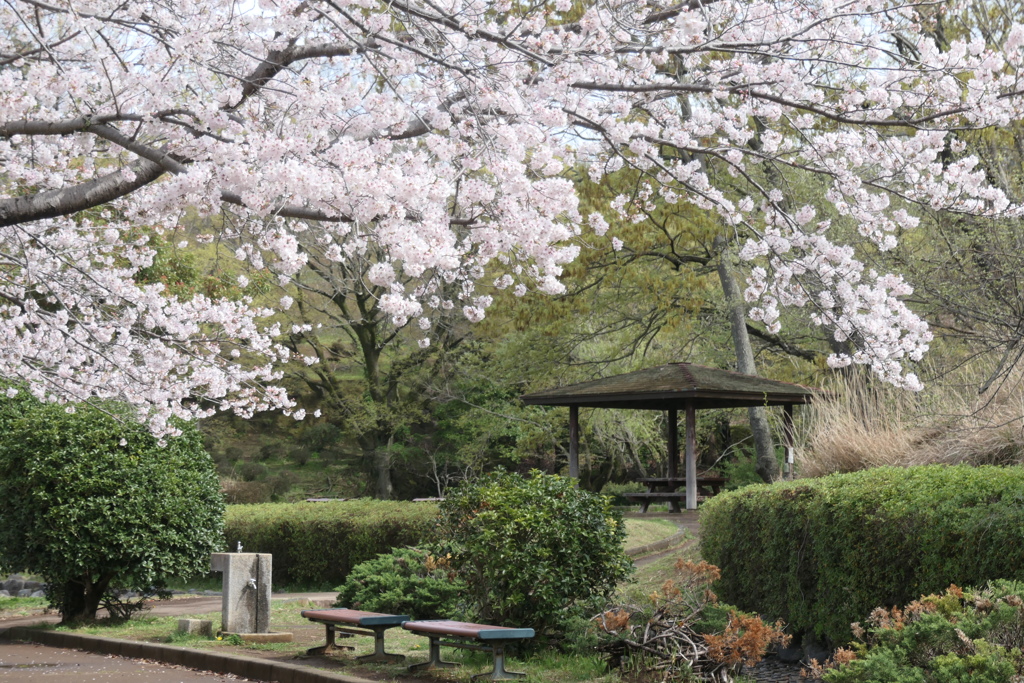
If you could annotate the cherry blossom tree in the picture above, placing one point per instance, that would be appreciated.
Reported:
(437, 132)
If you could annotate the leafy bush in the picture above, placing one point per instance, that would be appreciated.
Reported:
(281, 483)
(822, 553)
(299, 455)
(962, 636)
(234, 453)
(270, 451)
(92, 503)
(251, 471)
(320, 435)
(532, 551)
(406, 581)
(316, 545)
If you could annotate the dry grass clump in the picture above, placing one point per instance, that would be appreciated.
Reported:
(866, 424)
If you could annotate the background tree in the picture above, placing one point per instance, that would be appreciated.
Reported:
(94, 504)
(337, 306)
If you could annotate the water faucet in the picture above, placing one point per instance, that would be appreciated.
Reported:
(252, 584)
(239, 547)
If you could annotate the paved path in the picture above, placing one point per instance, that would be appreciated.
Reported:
(78, 657)
(29, 662)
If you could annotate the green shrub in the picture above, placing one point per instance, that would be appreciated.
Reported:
(316, 545)
(299, 455)
(963, 636)
(281, 483)
(92, 503)
(532, 551)
(616, 490)
(320, 435)
(251, 471)
(406, 581)
(271, 451)
(821, 553)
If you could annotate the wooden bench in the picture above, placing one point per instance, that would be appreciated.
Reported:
(645, 499)
(353, 622)
(460, 634)
(672, 490)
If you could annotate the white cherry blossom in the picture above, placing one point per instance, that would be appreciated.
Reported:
(433, 137)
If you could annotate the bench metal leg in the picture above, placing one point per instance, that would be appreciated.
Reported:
(435, 658)
(499, 673)
(379, 655)
(331, 645)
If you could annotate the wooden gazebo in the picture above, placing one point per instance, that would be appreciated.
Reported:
(674, 387)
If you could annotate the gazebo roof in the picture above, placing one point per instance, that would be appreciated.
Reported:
(674, 386)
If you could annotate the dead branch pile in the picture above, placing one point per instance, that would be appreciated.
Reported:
(660, 638)
(662, 644)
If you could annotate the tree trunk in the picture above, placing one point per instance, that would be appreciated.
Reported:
(379, 458)
(81, 599)
(767, 466)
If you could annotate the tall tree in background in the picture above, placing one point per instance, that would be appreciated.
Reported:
(437, 134)
(340, 324)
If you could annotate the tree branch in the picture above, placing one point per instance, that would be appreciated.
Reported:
(781, 344)
(70, 200)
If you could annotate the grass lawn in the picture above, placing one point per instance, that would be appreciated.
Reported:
(546, 667)
(640, 532)
(20, 607)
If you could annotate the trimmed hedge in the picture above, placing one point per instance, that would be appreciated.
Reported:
(317, 544)
(822, 553)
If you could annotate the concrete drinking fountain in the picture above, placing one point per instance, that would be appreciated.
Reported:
(245, 596)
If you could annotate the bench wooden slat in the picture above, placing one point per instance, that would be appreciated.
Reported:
(678, 495)
(462, 629)
(354, 617)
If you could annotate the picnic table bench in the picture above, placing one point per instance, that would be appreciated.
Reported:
(665, 489)
(469, 636)
(350, 622)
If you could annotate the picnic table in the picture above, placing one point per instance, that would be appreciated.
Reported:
(667, 489)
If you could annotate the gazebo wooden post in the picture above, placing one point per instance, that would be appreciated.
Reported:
(574, 442)
(673, 444)
(691, 456)
(788, 438)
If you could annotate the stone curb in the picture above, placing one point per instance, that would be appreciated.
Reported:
(675, 539)
(246, 667)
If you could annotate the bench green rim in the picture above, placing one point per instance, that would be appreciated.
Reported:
(505, 634)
